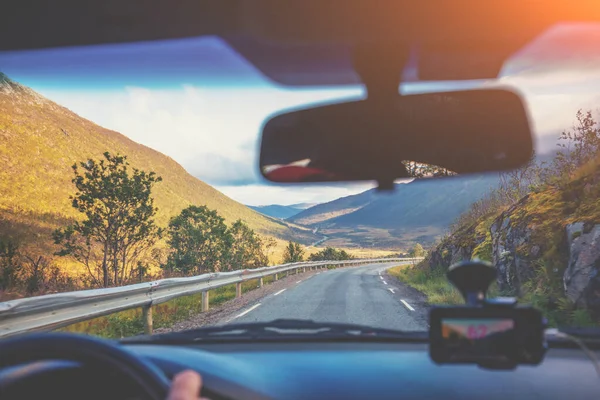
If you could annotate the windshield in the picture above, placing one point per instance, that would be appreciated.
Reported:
(132, 170)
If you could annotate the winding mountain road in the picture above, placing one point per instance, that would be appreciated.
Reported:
(363, 295)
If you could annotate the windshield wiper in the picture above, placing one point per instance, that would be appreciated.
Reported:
(282, 330)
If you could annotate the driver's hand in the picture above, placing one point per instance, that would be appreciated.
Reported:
(186, 385)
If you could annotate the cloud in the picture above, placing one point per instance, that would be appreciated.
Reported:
(212, 132)
(221, 170)
(553, 98)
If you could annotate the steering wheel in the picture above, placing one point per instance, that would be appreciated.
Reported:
(87, 351)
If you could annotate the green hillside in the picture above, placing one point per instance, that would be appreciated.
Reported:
(40, 140)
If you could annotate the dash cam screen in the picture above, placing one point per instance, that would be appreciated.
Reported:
(465, 338)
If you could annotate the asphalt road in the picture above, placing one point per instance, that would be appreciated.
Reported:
(359, 295)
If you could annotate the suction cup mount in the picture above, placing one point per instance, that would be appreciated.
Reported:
(472, 279)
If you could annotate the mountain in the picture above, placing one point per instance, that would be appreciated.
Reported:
(303, 206)
(326, 211)
(277, 211)
(420, 203)
(415, 212)
(40, 141)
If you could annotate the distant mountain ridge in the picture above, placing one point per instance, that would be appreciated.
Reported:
(416, 211)
(303, 206)
(434, 202)
(327, 211)
(277, 211)
(281, 211)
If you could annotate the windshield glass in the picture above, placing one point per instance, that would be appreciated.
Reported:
(132, 169)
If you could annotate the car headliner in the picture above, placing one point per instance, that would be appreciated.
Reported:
(307, 42)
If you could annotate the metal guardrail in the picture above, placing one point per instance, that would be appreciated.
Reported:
(48, 312)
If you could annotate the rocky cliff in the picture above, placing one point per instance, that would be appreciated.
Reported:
(547, 244)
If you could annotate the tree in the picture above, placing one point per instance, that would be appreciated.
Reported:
(293, 253)
(270, 245)
(247, 248)
(417, 251)
(10, 264)
(330, 253)
(199, 241)
(516, 183)
(421, 170)
(118, 225)
(578, 145)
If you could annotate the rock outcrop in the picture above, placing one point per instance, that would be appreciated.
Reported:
(461, 246)
(582, 276)
(522, 239)
(513, 250)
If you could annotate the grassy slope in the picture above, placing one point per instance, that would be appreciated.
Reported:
(40, 140)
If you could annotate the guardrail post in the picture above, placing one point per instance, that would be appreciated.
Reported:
(205, 301)
(276, 277)
(238, 289)
(260, 282)
(303, 269)
(147, 313)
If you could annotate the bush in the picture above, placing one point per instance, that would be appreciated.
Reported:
(330, 254)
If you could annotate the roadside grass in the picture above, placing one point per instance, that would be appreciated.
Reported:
(130, 322)
(431, 283)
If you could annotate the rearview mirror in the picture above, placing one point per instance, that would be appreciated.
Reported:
(422, 135)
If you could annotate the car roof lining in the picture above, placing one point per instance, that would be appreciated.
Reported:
(305, 42)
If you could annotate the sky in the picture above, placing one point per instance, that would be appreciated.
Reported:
(199, 102)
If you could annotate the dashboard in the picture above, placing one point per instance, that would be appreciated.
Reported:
(331, 371)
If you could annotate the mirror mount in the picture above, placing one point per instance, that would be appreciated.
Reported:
(385, 185)
(380, 69)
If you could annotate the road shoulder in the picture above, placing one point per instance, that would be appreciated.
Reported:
(416, 299)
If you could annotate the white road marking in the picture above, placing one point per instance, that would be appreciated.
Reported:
(407, 305)
(380, 277)
(384, 282)
(278, 293)
(247, 311)
(298, 281)
(391, 290)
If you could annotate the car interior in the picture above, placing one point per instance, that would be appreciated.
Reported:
(379, 44)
